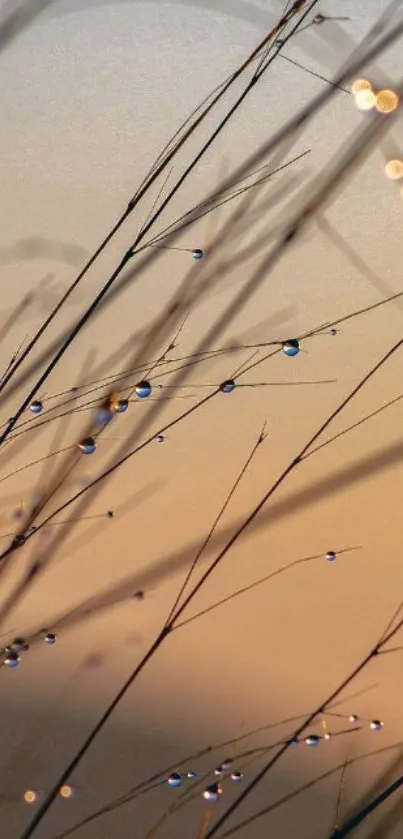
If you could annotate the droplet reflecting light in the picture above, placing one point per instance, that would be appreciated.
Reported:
(36, 407)
(353, 718)
(87, 446)
(312, 740)
(228, 386)
(197, 253)
(12, 659)
(236, 776)
(212, 792)
(376, 725)
(121, 406)
(174, 780)
(19, 645)
(291, 347)
(143, 389)
(331, 556)
(50, 638)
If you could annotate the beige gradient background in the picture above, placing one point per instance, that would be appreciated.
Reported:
(89, 96)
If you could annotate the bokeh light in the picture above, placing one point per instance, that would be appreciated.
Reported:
(31, 796)
(386, 101)
(359, 85)
(394, 170)
(66, 791)
(365, 100)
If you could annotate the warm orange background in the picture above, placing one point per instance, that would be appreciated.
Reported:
(89, 96)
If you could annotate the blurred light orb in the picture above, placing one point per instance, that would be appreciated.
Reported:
(376, 725)
(291, 347)
(19, 645)
(197, 253)
(191, 775)
(30, 796)
(394, 170)
(36, 407)
(50, 638)
(328, 735)
(174, 780)
(386, 101)
(236, 776)
(312, 740)
(353, 718)
(212, 792)
(87, 446)
(331, 556)
(143, 389)
(359, 85)
(103, 416)
(219, 770)
(12, 659)
(66, 791)
(228, 386)
(121, 406)
(365, 100)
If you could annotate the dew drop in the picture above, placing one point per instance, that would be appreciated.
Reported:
(12, 659)
(121, 406)
(19, 645)
(36, 407)
(212, 792)
(87, 446)
(291, 347)
(312, 740)
(228, 386)
(143, 389)
(50, 638)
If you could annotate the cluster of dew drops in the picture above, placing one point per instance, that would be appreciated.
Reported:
(213, 791)
(87, 446)
(143, 390)
(19, 645)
